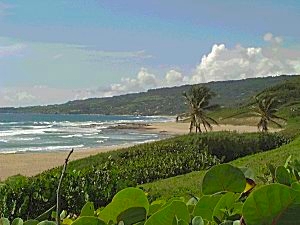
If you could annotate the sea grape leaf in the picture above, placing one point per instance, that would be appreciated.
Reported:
(225, 206)
(272, 204)
(182, 222)
(197, 220)
(296, 186)
(132, 215)
(46, 222)
(88, 209)
(17, 221)
(192, 203)
(222, 178)
(175, 210)
(123, 200)
(205, 206)
(88, 220)
(248, 172)
(271, 169)
(283, 176)
(31, 222)
(4, 221)
(155, 206)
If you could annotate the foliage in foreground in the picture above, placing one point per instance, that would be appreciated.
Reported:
(229, 197)
(99, 178)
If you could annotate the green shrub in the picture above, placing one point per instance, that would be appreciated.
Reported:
(99, 178)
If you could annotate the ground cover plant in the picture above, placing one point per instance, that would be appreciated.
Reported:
(229, 196)
(188, 184)
(99, 178)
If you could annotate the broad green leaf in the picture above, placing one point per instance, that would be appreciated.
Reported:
(17, 221)
(197, 220)
(248, 172)
(88, 209)
(63, 215)
(88, 220)
(46, 222)
(283, 176)
(296, 186)
(175, 210)
(227, 223)
(191, 204)
(155, 206)
(271, 169)
(272, 204)
(288, 160)
(67, 221)
(237, 222)
(4, 221)
(132, 215)
(123, 200)
(223, 177)
(205, 206)
(31, 222)
(224, 206)
(182, 222)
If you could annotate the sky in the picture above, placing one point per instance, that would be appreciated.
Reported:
(53, 51)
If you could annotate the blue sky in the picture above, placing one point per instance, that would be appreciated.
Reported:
(54, 51)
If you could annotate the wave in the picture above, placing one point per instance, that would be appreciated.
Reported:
(27, 139)
(41, 149)
(71, 135)
(10, 133)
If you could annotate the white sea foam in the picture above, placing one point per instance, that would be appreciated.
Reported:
(20, 132)
(41, 149)
(71, 135)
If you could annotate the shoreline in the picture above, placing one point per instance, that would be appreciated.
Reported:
(33, 163)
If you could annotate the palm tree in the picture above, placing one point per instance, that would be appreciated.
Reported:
(197, 99)
(265, 109)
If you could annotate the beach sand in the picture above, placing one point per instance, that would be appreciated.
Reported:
(30, 164)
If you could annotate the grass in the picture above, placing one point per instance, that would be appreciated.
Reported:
(187, 184)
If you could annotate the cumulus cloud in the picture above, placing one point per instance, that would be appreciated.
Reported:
(12, 50)
(173, 77)
(269, 37)
(241, 62)
(142, 82)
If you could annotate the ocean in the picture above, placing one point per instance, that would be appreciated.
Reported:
(56, 132)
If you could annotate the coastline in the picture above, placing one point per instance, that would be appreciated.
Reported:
(33, 163)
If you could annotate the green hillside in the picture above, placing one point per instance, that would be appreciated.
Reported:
(162, 101)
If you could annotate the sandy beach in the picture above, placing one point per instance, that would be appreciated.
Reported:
(30, 164)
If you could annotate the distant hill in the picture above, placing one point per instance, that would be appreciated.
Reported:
(161, 101)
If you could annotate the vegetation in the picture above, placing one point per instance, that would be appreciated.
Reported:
(188, 184)
(229, 197)
(99, 178)
(225, 196)
(163, 101)
(197, 98)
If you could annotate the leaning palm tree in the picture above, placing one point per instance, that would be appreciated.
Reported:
(265, 109)
(197, 99)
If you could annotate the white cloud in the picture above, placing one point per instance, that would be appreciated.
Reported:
(12, 50)
(174, 78)
(269, 37)
(242, 62)
(143, 81)
(4, 8)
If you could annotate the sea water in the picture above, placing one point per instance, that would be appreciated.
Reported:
(55, 132)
